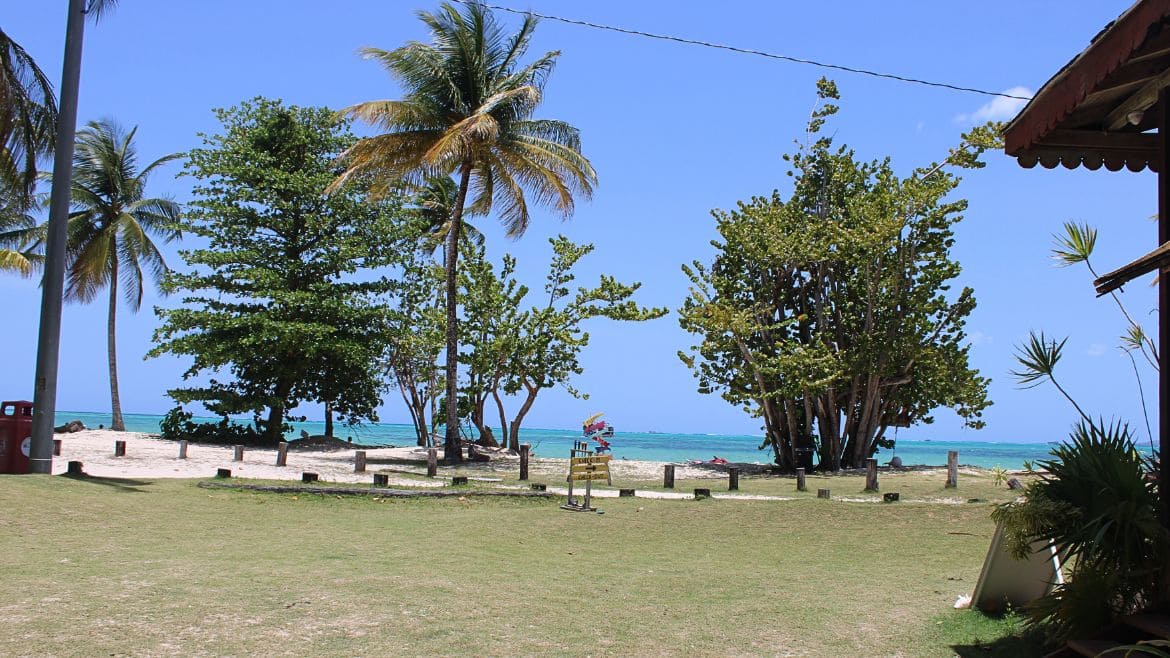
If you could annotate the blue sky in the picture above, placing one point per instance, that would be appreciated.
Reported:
(674, 131)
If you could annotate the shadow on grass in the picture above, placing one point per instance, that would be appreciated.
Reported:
(120, 484)
(1012, 646)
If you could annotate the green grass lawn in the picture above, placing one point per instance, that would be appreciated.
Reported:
(105, 567)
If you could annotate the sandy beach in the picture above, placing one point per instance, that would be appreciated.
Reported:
(150, 457)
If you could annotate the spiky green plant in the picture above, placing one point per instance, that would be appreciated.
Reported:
(1095, 501)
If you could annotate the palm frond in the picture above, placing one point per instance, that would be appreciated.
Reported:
(1075, 245)
(1038, 357)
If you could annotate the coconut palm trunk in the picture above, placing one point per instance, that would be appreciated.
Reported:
(117, 424)
(452, 445)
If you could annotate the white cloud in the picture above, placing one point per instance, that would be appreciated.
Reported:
(998, 108)
(980, 338)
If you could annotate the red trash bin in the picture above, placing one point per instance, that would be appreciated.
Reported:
(15, 435)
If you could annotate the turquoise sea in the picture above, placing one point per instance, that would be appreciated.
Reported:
(645, 445)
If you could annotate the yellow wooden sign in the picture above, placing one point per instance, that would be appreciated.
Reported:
(595, 459)
(589, 468)
(596, 475)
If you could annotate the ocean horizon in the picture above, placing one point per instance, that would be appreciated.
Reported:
(650, 446)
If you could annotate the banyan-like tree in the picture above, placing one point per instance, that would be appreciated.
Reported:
(830, 314)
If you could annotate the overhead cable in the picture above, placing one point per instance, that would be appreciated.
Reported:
(747, 51)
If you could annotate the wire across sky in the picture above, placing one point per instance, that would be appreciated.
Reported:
(747, 51)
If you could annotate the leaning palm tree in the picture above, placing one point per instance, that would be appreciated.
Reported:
(467, 112)
(109, 228)
(20, 241)
(28, 116)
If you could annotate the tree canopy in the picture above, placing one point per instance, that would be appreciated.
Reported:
(830, 314)
(279, 307)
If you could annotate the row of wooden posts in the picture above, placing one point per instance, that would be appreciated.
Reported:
(359, 466)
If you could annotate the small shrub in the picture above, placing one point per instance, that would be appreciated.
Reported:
(1095, 501)
(177, 425)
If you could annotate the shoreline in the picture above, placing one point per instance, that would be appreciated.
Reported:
(148, 456)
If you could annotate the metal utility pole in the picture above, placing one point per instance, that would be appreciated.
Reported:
(52, 285)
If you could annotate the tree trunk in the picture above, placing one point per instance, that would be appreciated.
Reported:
(452, 445)
(328, 419)
(272, 433)
(514, 429)
(112, 343)
(507, 442)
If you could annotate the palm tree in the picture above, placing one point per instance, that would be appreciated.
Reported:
(109, 224)
(434, 205)
(28, 116)
(49, 331)
(467, 111)
(19, 241)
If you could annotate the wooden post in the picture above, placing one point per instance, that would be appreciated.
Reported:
(381, 479)
(359, 461)
(733, 479)
(525, 448)
(458, 480)
(223, 472)
(282, 453)
(668, 476)
(800, 484)
(119, 448)
(183, 449)
(824, 493)
(871, 480)
(432, 462)
(952, 469)
(238, 455)
(702, 493)
(308, 477)
(74, 468)
(56, 447)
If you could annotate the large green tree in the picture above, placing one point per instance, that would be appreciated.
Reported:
(281, 299)
(467, 111)
(830, 314)
(110, 227)
(519, 352)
